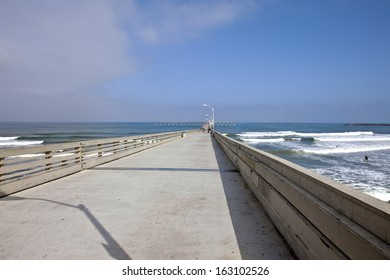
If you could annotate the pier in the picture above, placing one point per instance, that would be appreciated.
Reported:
(197, 124)
(180, 195)
(179, 200)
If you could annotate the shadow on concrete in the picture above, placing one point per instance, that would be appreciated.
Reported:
(256, 236)
(112, 247)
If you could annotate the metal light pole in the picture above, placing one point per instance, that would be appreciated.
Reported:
(212, 124)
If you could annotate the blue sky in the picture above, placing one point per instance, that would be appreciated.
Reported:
(252, 60)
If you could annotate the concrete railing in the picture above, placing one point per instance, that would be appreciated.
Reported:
(318, 217)
(26, 167)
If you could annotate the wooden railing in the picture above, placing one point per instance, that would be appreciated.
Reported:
(26, 167)
(318, 217)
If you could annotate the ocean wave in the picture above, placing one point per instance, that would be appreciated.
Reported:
(320, 139)
(8, 138)
(303, 134)
(362, 179)
(307, 139)
(348, 134)
(266, 134)
(264, 140)
(383, 195)
(20, 143)
(344, 150)
(354, 139)
(361, 138)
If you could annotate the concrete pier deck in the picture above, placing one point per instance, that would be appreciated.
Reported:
(180, 200)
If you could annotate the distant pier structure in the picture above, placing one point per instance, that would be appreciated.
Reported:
(192, 124)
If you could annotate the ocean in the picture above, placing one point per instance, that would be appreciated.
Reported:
(356, 155)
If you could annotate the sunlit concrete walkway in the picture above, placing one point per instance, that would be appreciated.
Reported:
(180, 200)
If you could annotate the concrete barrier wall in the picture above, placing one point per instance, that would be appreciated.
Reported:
(26, 167)
(318, 217)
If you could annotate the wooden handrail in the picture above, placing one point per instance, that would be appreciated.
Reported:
(319, 218)
(25, 167)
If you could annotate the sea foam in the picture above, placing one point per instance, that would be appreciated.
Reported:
(343, 150)
(264, 140)
(13, 141)
(303, 134)
(6, 138)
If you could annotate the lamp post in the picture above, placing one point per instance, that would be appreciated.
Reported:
(212, 119)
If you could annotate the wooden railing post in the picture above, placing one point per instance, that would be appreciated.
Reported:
(100, 153)
(48, 156)
(1, 165)
(78, 156)
(82, 153)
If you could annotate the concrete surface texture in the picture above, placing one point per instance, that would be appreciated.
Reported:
(180, 200)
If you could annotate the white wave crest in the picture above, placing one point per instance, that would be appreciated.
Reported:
(20, 143)
(266, 134)
(381, 195)
(304, 134)
(354, 139)
(4, 138)
(264, 140)
(362, 179)
(345, 150)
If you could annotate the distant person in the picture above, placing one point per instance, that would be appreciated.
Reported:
(365, 157)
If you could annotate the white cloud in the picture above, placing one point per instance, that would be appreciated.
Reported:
(53, 47)
(167, 20)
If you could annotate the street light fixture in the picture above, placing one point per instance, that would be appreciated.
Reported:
(212, 120)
